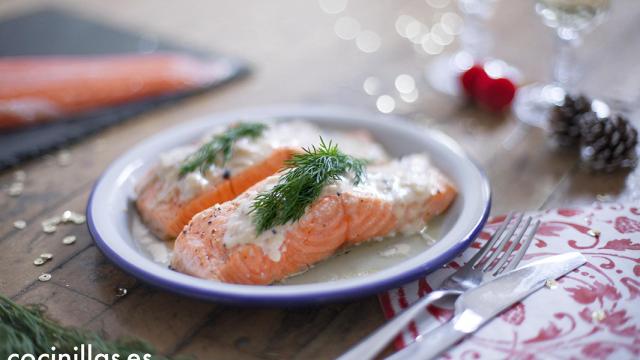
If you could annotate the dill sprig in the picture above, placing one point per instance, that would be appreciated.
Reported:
(302, 182)
(220, 148)
(26, 330)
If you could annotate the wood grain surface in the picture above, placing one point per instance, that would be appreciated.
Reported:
(297, 58)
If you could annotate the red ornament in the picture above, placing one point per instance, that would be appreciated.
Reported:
(470, 77)
(497, 94)
(494, 94)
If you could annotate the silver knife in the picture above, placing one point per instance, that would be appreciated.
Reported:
(477, 306)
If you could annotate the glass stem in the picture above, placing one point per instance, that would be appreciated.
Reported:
(475, 38)
(565, 67)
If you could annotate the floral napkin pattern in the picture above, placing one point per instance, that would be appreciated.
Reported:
(591, 313)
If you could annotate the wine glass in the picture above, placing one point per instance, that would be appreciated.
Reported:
(571, 19)
(443, 72)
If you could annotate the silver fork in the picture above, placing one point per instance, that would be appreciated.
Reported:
(486, 264)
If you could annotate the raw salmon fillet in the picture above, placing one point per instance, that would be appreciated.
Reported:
(221, 242)
(167, 202)
(39, 89)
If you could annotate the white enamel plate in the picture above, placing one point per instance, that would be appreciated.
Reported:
(365, 270)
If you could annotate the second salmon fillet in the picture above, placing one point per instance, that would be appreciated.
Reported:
(221, 243)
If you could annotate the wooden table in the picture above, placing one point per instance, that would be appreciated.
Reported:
(297, 58)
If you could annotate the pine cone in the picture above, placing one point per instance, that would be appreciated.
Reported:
(607, 143)
(565, 119)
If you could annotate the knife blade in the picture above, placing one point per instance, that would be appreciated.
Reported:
(477, 306)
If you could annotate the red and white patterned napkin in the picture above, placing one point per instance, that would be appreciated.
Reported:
(594, 312)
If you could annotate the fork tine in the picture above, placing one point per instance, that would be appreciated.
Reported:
(523, 249)
(486, 263)
(489, 245)
(515, 241)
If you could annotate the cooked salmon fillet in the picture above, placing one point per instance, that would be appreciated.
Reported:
(167, 213)
(221, 243)
(167, 201)
(38, 89)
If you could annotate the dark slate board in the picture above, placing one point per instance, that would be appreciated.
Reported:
(55, 32)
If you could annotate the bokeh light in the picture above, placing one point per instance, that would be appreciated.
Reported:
(333, 6)
(371, 85)
(410, 97)
(430, 46)
(368, 41)
(438, 4)
(440, 35)
(402, 22)
(385, 104)
(451, 23)
(347, 28)
(405, 84)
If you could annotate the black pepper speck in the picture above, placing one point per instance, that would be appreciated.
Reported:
(226, 174)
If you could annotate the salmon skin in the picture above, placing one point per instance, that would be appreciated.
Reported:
(221, 243)
(40, 89)
(167, 200)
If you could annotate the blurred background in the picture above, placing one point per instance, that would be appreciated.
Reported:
(295, 44)
(374, 56)
(371, 55)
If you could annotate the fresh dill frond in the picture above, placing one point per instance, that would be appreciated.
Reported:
(219, 149)
(25, 330)
(302, 182)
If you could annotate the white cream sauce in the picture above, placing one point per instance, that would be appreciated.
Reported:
(240, 228)
(247, 152)
(406, 183)
(401, 249)
(156, 249)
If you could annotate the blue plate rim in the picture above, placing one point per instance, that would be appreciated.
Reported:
(279, 300)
